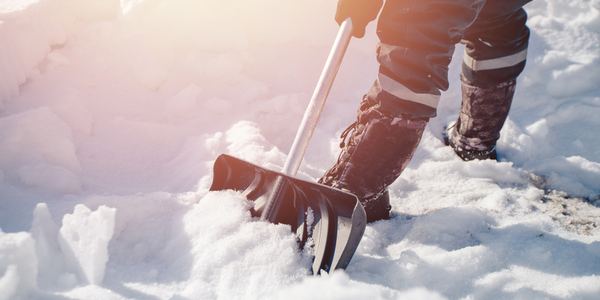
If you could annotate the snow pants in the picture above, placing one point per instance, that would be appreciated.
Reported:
(418, 38)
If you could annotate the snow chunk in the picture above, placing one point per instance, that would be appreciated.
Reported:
(574, 175)
(84, 238)
(18, 265)
(247, 143)
(45, 233)
(222, 244)
(9, 283)
(39, 146)
(27, 30)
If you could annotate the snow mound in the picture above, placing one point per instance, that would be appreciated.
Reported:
(39, 146)
(113, 111)
(84, 238)
(18, 265)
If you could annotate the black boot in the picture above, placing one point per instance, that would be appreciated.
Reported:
(376, 152)
(483, 112)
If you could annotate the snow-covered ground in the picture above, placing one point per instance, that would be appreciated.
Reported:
(112, 113)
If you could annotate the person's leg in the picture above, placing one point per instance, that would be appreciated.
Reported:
(417, 41)
(373, 156)
(495, 54)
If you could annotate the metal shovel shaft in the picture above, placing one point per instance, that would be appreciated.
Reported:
(317, 102)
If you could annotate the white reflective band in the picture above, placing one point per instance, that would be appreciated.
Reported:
(495, 63)
(398, 90)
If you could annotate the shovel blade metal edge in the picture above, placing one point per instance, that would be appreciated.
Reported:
(334, 220)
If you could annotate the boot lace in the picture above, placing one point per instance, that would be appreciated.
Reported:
(346, 132)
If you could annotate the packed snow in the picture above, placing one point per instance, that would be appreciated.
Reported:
(113, 112)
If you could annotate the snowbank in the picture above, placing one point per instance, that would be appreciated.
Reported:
(37, 149)
(29, 29)
(18, 264)
(112, 113)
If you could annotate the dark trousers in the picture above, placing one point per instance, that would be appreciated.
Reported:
(417, 40)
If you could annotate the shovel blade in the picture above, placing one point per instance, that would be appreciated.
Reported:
(334, 220)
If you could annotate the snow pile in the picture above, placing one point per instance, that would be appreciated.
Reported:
(18, 264)
(83, 239)
(78, 252)
(570, 67)
(113, 112)
(29, 29)
(556, 135)
(47, 249)
(229, 247)
(37, 149)
(25, 43)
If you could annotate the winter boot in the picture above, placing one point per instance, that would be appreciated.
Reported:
(377, 151)
(482, 114)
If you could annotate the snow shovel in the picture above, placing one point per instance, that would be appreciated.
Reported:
(327, 221)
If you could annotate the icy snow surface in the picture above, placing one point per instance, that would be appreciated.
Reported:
(112, 113)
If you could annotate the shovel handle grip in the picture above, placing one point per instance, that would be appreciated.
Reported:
(317, 102)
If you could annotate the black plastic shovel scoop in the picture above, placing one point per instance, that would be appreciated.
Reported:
(328, 221)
